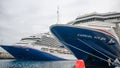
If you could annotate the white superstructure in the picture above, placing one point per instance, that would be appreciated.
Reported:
(46, 43)
(105, 21)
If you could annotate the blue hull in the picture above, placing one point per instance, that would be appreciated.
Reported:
(95, 47)
(26, 53)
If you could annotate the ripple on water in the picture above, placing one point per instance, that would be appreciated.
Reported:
(36, 64)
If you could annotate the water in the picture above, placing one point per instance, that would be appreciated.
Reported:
(38, 64)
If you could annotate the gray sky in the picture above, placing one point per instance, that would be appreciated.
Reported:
(21, 18)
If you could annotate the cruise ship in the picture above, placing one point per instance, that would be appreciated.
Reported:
(94, 37)
(39, 47)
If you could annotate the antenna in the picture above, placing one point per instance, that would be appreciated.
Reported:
(57, 14)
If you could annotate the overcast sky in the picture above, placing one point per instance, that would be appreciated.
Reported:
(22, 18)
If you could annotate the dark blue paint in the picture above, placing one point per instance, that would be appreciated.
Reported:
(68, 35)
(22, 52)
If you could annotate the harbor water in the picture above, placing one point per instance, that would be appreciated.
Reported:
(12, 63)
(36, 64)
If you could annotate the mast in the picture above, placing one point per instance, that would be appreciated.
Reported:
(57, 15)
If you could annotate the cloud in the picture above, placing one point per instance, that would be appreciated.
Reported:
(21, 18)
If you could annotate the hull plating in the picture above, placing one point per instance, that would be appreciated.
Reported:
(22, 52)
(83, 42)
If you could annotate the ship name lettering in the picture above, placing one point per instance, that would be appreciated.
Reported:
(84, 35)
(100, 38)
